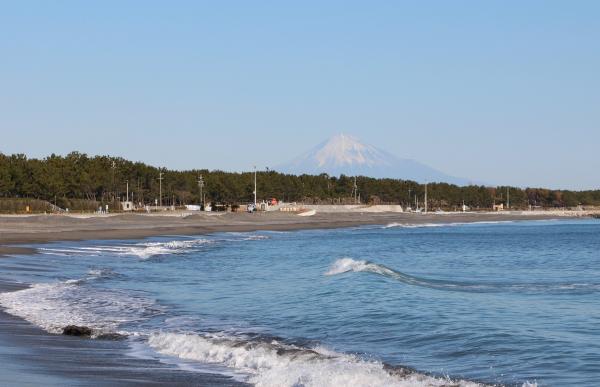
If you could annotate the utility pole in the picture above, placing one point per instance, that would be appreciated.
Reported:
(160, 179)
(127, 190)
(507, 197)
(425, 197)
(201, 185)
(255, 186)
(114, 165)
(355, 191)
(409, 190)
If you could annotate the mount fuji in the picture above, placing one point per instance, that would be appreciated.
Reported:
(345, 154)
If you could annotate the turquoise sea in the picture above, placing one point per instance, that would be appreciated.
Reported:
(506, 303)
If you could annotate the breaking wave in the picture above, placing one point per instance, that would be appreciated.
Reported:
(270, 362)
(344, 265)
(52, 306)
(147, 250)
(251, 237)
(425, 225)
(143, 250)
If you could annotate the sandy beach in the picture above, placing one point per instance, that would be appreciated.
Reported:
(17, 230)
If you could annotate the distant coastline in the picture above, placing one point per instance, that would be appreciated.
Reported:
(82, 183)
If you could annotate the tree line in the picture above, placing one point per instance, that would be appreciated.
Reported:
(83, 181)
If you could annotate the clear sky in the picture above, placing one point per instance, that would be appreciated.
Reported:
(505, 92)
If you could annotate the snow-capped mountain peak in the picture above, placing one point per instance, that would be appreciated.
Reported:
(347, 155)
(345, 150)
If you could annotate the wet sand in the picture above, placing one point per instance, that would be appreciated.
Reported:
(28, 230)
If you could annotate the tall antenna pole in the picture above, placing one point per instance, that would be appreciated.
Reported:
(201, 185)
(114, 165)
(425, 197)
(255, 186)
(160, 179)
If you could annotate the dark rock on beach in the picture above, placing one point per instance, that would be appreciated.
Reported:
(111, 336)
(74, 330)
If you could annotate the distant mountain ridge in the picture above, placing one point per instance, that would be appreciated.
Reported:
(345, 154)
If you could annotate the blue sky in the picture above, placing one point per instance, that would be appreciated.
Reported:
(505, 92)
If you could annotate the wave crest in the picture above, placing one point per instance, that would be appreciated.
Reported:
(272, 363)
(147, 250)
(452, 224)
(344, 265)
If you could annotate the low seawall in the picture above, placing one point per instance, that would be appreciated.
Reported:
(325, 208)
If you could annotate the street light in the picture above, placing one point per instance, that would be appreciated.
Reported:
(255, 186)
(201, 185)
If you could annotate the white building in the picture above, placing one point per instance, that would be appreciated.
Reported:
(127, 206)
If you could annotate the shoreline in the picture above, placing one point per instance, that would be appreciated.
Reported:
(17, 232)
(32, 356)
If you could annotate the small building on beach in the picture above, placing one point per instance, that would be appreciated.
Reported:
(127, 206)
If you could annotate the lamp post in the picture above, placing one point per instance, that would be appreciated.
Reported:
(201, 186)
(255, 186)
(425, 197)
(160, 179)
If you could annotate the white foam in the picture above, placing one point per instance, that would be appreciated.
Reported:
(243, 236)
(147, 250)
(100, 273)
(271, 363)
(55, 305)
(143, 250)
(344, 265)
(255, 238)
(425, 225)
(151, 249)
(408, 225)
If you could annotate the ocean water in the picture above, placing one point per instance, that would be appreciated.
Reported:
(489, 303)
